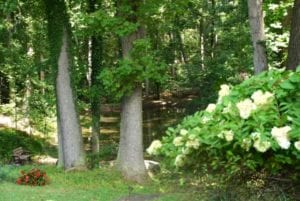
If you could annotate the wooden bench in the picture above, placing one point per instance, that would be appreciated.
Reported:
(20, 156)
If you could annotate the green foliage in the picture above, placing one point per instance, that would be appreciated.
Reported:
(108, 152)
(13, 139)
(249, 128)
(130, 72)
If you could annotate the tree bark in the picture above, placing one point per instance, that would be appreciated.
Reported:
(71, 153)
(256, 20)
(130, 159)
(96, 54)
(130, 156)
(71, 139)
(294, 43)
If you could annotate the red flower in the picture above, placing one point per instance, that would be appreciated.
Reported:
(19, 181)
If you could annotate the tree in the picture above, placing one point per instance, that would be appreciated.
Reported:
(71, 154)
(256, 20)
(95, 63)
(294, 43)
(130, 159)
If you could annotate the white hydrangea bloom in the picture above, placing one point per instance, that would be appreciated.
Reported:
(211, 107)
(205, 119)
(192, 137)
(224, 91)
(228, 135)
(245, 108)
(193, 144)
(183, 132)
(179, 160)
(221, 135)
(297, 145)
(261, 98)
(186, 151)
(154, 147)
(281, 136)
(262, 146)
(178, 141)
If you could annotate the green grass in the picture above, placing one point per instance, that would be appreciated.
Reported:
(103, 184)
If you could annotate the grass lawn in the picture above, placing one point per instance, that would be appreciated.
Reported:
(94, 185)
(105, 184)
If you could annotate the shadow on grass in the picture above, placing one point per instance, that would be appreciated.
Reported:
(11, 139)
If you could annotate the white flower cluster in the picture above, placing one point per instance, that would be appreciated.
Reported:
(224, 91)
(178, 141)
(259, 144)
(281, 136)
(205, 119)
(245, 108)
(211, 108)
(183, 132)
(154, 147)
(227, 135)
(261, 98)
(179, 160)
(297, 145)
(193, 144)
(262, 145)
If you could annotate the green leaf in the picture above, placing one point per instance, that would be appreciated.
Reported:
(295, 78)
(287, 85)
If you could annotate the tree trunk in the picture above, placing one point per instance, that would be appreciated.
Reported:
(256, 20)
(96, 55)
(130, 156)
(71, 153)
(71, 139)
(130, 159)
(294, 44)
(201, 42)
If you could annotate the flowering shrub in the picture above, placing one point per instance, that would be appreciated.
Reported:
(254, 125)
(34, 177)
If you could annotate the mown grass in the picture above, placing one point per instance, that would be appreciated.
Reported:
(103, 184)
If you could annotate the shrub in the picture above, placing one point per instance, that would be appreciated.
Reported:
(254, 125)
(34, 177)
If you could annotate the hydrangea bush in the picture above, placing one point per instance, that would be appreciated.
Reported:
(254, 125)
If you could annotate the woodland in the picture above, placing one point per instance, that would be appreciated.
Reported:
(114, 100)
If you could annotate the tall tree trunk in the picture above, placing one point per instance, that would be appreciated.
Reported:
(73, 154)
(256, 20)
(70, 140)
(294, 44)
(130, 156)
(201, 42)
(130, 159)
(95, 65)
